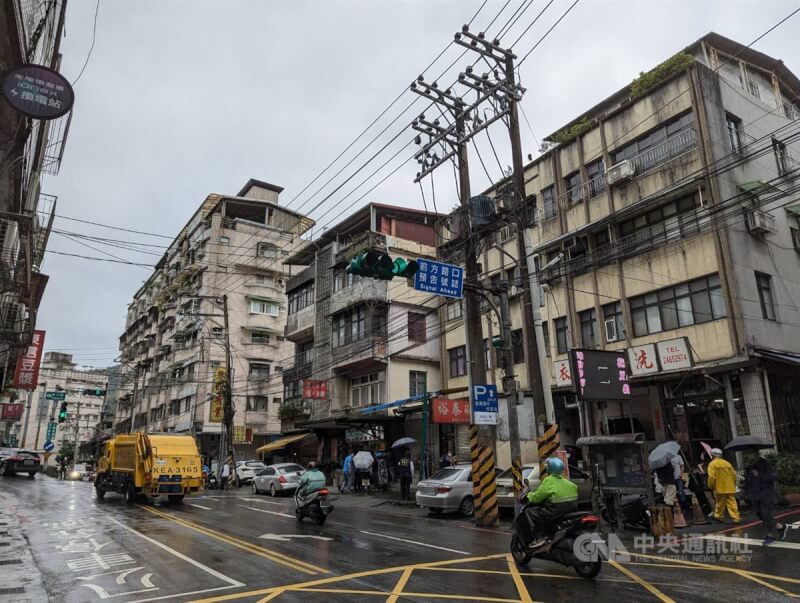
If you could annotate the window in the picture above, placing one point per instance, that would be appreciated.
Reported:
(187, 404)
(257, 403)
(350, 326)
(546, 337)
(668, 222)
(258, 370)
(276, 401)
(588, 320)
(217, 331)
(292, 389)
(416, 327)
(560, 325)
(458, 361)
(613, 312)
(263, 307)
(517, 346)
(368, 389)
(342, 280)
(764, 284)
(417, 383)
(225, 240)
(789, 111)
(259, 337)
(304, 353)
(573, 184)
(487, 353)
(752, 87)
(549, 203)
(734, 126)
(660, 145)
(301, 298)
(530, 210)
(695, 302)
(267, 250)
(596, 173)
(454, 310)
(781, 157)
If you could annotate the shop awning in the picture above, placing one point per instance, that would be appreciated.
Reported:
(387, 405)
(281, 442)
(794, 208)
(262, 330)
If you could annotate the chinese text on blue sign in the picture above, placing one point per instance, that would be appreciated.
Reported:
(439, 278)
(484, 404)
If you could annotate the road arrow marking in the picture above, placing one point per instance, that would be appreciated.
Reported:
(287, 537)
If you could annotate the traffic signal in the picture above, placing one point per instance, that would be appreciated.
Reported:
(372, 264)
(94, 392)
(62, 413)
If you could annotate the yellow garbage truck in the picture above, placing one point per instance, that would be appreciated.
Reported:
(151, 465)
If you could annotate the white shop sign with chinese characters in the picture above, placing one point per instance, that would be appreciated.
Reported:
(642, 359)
(674, 354)
(670, 355)
(563, 370)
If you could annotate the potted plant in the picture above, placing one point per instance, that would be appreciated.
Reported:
(787, 476)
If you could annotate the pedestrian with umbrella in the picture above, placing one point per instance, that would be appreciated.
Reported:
(722, 481)
(760, 484)
(362, 461)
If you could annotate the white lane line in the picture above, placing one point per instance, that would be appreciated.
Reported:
(778, 544)
(431, 546)
(270, 512)
(199, 506)
(197, 564)
(261, 500)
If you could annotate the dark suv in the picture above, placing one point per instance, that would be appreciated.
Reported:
(18, 460)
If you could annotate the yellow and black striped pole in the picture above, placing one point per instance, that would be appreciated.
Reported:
(484, 491)
(547, 445)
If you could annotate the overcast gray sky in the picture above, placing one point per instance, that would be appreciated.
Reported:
(189, 97)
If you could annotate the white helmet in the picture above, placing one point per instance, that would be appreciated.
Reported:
(716, 452)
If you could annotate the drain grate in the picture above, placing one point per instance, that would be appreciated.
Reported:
(17, 590)
(10, 561)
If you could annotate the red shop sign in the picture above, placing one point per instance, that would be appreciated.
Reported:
(27, 373)
(315, 390)
(446, 410)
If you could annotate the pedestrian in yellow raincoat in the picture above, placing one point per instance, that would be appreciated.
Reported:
(722, 480)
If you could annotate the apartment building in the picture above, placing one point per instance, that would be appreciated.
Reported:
(359, 342)
(31, 33)
(663, 222)
(174, 344)
(59, 373)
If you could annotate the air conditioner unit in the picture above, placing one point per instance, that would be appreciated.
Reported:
(611, 330)
(622, 171)
(759, 222)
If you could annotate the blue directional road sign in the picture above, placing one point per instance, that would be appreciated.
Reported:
(49, 446)
(484, 405)
(439, 278)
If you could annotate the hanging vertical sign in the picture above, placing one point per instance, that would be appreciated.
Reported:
(26, 376)
(217, 412)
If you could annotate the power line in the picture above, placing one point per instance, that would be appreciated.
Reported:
(91, 48)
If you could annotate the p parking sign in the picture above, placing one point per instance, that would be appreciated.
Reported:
(484, 404)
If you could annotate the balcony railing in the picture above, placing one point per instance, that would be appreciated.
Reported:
(669, 149)
(368, 348)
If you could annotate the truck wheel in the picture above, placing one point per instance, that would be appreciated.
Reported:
(99, 492)
(130, 493)
(175, 498)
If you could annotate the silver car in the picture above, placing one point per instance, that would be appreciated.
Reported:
(505, 484)
(449, 489)
(282, 477)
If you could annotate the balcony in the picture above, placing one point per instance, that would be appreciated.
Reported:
(360, 354)
(300, 325)
(362, 289)
(297, 372)
(367, 240)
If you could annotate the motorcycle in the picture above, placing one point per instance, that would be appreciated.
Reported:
(314, 506)
(559, 542)
(211, 482)
(635, 512)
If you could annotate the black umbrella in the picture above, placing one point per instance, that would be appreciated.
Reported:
(748, 442)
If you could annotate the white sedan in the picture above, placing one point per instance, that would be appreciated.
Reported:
(247, 470)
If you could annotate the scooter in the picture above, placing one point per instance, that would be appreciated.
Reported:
(559, 543)
(211, 482)
(314, 505)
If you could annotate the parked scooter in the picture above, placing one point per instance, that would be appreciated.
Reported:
(558, 544)
(211, 481)
(314, 505)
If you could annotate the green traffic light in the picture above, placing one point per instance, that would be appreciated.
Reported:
(404, 268)
(372, 264)
(62, 413)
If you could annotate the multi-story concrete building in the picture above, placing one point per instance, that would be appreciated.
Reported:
(175, 339)
(31, 33)
(359, 341)
(666, 218)
(59, 373)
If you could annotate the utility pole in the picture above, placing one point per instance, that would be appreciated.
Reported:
(41, 415)
(510, 389)
(541, 395)
(77, 433)
(229, 408)
(27, 419)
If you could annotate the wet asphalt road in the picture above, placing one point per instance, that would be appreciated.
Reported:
(240, 547)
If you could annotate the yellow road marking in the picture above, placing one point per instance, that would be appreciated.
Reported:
(377, 593)
(285, 560)
(364, 574)
(401, 583)
(686, 564)
(641, 581)
(524, 595)
(460, 597)
(744, 574)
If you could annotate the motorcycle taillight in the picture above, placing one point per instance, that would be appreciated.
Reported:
(323, 492)
(590, 519)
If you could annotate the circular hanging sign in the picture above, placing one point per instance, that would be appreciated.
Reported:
(38, 91)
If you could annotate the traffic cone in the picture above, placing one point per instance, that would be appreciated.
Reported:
(678, 520)
(698, 517)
